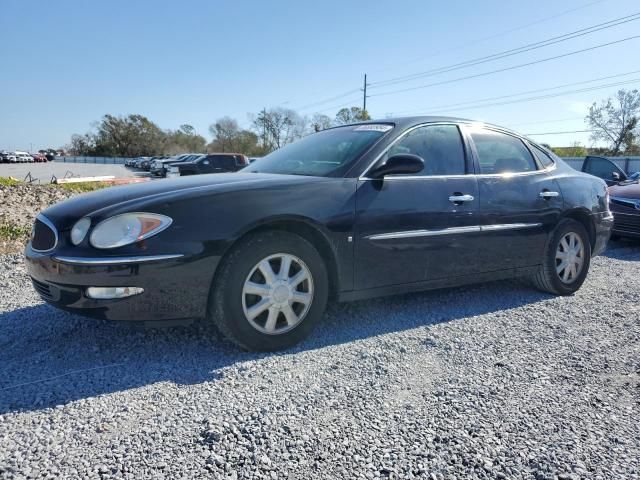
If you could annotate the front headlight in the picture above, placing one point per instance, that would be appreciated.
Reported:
(127, 228)
(79, 230)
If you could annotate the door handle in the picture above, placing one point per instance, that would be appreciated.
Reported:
(546, 194)
(460, 198)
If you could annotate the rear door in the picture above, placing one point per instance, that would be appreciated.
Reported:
(605, 169)
(520, 201)
(420, 227)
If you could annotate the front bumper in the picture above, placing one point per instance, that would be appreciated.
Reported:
(626, 224)
(175, 289)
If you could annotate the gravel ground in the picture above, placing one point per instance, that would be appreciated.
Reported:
(490, 381)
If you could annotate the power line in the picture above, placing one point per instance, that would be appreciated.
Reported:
(510, 52)
(557, 120)
(499, 34)
(513, 67)
(320, 102)
(542, 97)
(501, 97)
(558, 133)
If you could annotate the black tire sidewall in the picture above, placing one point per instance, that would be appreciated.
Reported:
(230, 315)
(564, 227)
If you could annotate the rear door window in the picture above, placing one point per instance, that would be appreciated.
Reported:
(500, 153)
(543, 157)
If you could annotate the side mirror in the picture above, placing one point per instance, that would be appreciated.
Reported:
(400, 163)
(615, 176)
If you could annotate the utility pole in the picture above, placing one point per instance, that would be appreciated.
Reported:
(364, 97)
(264, 128)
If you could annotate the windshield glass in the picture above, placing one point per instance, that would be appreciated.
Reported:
(321, 154)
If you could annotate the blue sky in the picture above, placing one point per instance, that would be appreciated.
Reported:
(66, 63)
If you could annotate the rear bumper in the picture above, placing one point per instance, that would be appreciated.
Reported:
(175, 289)
(603, 223)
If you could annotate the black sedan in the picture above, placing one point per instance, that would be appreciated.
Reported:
(351, 212)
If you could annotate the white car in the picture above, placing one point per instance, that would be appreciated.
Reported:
(24, 157)
(9, 157)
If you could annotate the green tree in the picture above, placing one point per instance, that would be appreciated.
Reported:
(130, 136)
(615, 121)
(351, 115)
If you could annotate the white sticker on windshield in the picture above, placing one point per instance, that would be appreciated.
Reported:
(373, 128)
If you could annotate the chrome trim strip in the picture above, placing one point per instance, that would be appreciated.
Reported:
(49, 224)
(424, 233)
(115, 260)
(508, 226)
(452, 231)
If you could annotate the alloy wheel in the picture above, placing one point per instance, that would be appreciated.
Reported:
(569, 257)
(277, 294)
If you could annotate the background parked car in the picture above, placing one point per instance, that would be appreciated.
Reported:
(38, 157)
(158, 166)
(605, 169)
(210, 163)
(7, 157)
(23, 157)
(624, 203)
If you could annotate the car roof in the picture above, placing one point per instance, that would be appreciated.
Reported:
(405, 122)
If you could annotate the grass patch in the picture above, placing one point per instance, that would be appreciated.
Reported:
(9, 182)
(81, 187)
(10, 231)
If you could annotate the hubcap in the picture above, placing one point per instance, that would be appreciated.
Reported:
(569, 257)
(277, 294)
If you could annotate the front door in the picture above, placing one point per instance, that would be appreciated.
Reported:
(415, 228)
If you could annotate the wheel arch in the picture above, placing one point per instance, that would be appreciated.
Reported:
(583, 216)
(305, 228)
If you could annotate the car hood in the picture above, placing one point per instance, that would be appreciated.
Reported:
(626, 190)
(135, 197)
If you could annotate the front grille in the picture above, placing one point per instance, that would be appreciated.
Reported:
(626, 223)
(45, 236)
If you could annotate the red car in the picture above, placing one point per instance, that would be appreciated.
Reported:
(624, 203)
(38, 157)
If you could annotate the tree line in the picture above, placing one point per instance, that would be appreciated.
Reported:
(614, 124)
(135, 135)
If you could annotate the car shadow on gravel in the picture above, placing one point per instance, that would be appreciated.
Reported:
(622, 249)
(50, 358)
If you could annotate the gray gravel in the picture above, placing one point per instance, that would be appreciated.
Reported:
(490, 381)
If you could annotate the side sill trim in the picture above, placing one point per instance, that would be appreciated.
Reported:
(452, 231)
(115, 260)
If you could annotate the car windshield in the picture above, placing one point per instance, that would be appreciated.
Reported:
(321, 154)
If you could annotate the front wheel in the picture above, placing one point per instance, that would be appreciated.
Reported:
(270, 291)
(566, 259)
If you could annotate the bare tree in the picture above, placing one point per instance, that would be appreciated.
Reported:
(278, 126)
(320, 122)
(224, 130)
(351, 115)
(615, 120)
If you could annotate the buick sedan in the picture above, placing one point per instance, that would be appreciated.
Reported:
(351, 212)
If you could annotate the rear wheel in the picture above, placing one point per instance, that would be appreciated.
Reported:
(270, 292)
(567, 259)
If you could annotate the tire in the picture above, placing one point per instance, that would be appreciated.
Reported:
(230, 306)
(548, 279)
